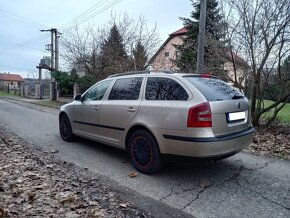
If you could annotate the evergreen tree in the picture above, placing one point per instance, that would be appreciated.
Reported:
(214, 44)
(113, 56)
(139, 57)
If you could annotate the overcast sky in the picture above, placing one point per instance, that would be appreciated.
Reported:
(22, 44)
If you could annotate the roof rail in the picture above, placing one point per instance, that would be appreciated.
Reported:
(141, 72)
(129, 73)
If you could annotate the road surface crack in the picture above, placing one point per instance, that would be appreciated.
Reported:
(265, 165)
(235, 175)
(203, 189)
(169, 194)
(262, 196)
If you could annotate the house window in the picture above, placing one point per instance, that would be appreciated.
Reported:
(11, 83)
(166, 54)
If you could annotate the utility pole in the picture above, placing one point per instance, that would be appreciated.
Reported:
(201, 36)
(56, 61)
(52, 49)
(54, 64)
(56, 37)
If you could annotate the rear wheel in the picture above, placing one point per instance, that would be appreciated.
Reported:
(144, 152)
(65, 129)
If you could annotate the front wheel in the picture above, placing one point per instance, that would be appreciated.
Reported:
(144, 152)
(65, 129)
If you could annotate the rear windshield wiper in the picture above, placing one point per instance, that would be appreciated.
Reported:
(237, 96)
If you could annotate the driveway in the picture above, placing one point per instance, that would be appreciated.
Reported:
(241, 186)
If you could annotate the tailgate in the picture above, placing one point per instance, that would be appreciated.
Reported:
(230, 116)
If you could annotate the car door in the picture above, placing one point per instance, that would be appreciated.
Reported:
(86, 114)
(119, 109)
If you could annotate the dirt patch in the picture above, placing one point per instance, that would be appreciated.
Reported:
(273, 141)
(34, 183)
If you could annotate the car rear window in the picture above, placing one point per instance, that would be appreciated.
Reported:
(214, 89)
(159, 88)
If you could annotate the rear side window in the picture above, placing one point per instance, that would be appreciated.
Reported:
(126, 89)
(214, 89)
(159, 88)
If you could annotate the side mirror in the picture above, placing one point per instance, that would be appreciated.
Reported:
(78, 98)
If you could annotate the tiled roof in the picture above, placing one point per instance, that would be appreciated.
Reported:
(11, 77)
(183, 30)
(231, 56)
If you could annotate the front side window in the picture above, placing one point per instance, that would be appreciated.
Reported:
(159, 88)
(97, 92)
(126, 89)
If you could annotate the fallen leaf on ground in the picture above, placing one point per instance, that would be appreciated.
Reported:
(54, 151)
(2, 213)
(205, 183)
(123, 205)
(133, 174)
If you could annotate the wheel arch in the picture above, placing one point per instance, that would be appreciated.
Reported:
(135, 128)
(63, 113)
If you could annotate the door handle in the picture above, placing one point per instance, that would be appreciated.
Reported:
(96, 107)
(131, 109)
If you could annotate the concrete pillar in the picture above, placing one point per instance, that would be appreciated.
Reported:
(57, 91)
(22, 90)
(38, 92)
(76, 89)
(52, 91)
(26, 89)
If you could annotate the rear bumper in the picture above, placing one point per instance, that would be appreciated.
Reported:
(207, 147)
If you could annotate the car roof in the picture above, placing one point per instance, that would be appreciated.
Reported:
(142, 72)
(160, 72)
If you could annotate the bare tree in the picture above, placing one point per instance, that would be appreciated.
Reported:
(261, 29)
(82, 45)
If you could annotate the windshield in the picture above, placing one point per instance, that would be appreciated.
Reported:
(214, 89)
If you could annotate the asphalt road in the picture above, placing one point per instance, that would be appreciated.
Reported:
(241, 186)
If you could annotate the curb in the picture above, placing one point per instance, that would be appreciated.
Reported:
(30, 102)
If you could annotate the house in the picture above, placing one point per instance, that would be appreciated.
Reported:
(164, 59)
(10, 81)
(238, 71)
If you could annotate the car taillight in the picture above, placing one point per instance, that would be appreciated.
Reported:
(199, 116)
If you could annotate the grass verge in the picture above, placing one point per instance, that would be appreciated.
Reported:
(49, 103)
(283, 115)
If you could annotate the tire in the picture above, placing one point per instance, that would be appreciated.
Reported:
(65, 129)
(144, 152)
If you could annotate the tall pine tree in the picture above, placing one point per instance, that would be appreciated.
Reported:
(113, 57)
(214, 44)
(140, 57)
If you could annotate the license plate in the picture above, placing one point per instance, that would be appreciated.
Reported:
(236, 116)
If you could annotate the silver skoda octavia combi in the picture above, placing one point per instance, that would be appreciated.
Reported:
(155, 114)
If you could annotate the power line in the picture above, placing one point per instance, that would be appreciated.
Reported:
(22, 20)
(83, 17)
(92, 8)
(25, 43)
(91, 12)
(100, 11)
(26, 22)
(18, 45)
